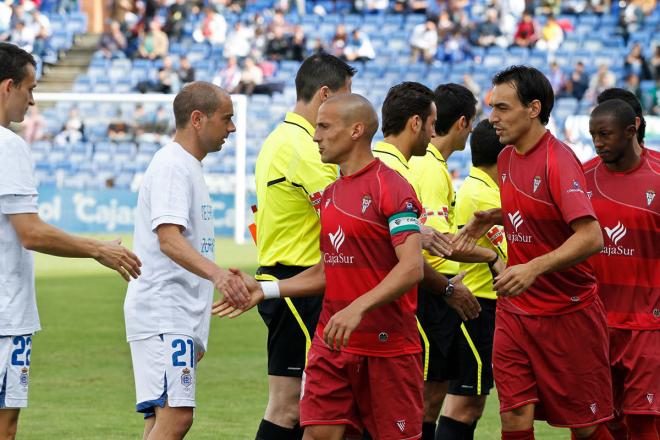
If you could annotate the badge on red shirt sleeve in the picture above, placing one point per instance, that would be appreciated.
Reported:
(403, 221)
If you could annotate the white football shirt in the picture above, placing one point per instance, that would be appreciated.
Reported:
(166, 298)
(18, 195)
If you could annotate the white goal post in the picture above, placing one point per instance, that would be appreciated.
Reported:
(240, 138)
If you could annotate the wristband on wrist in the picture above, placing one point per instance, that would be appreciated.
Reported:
(492, 262)
(271, 289)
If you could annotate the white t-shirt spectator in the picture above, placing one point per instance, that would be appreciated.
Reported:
(166, 298)
(424, 38)
(18, 195)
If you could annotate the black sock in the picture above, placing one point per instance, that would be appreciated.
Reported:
(469, 435)
(271, 431)
(428, 431)
(450, 429)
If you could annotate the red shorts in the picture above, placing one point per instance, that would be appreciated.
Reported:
(559, 362)
(635, 360)
(383, 394)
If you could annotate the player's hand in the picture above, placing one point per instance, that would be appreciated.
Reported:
(435, 242)
(462, 300)
(498, 267)
(514, 280)
(223, 308)
(467, 236)
(198, 356)
(115, 256)
(338, 330)
(231, 285)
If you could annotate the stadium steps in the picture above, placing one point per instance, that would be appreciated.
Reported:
(60, 77)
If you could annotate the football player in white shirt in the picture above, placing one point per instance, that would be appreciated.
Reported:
(168, 309)
(22, 231)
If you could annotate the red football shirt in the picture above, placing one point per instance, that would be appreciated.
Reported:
(542, 193)
(628, 267)
(364, 216)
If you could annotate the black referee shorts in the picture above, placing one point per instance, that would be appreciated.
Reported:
(476, 366)
(442, 327)
(286, 337)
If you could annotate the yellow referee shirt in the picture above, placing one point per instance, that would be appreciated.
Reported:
(394, 159)
(438, 197)
(477, 193)
(290, 179)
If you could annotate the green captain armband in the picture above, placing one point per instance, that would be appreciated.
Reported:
(402, 222)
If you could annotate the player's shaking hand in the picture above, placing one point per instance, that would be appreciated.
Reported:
(514, 280)
(224, 307)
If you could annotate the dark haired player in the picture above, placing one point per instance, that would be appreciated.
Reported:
(622, 184)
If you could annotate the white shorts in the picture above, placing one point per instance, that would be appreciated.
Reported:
(164, 370)
(14, 370)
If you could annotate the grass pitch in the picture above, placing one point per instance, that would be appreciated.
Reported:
(81, 379)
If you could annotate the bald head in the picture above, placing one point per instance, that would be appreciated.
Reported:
(353, 109)
(199, 95)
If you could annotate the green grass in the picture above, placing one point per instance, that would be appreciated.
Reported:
(81, 379)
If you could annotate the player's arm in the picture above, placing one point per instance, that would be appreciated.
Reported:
(482, 221)
(36, 235)
(587, 239)
(403, 276)
(178, 249)
(310, 282)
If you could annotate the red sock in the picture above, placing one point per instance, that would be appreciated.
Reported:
(642, 427)
(518, 435)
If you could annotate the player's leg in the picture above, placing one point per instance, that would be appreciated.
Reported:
(15, 354)
(149, 423)
(466, 398)
(459, 417)
(8, 423)
(390, 396)
(324, 432)
(434, 396)
(290, 326)
(597, 432)
(171, 423)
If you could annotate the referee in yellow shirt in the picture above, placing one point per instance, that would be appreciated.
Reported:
(456, 110)
(290, 179)
(467, 394)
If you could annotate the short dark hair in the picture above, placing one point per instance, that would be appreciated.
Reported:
(13, 62)
(485, 144)
(630, 98)
(619, 109)
(530, 85)
(320, 70)
(198, 95)
(402, 102)
(453, 101)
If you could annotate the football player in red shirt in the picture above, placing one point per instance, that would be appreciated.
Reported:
(622, 183)
(550, 354)
(364, 367)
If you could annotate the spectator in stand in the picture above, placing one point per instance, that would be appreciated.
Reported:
(636, 64)
(73, 129)
(488, 32)
(278, 46)
(298, 45)
(113, 41)
(375, 6)
(418, 6)
(424, 41)
(228, 77)
(212, 29)
(455, 49)
(33, 125)
(577, 83)
(556, 77)
(527, 31)
(655, 99)
(603, 79)
(445, 26)
(279, 24)
(42, 30)
(655, 63)
(119, 130)
(631, 83)
(251, 76)
(186, 71)
(5, 20)
(359, 47)
(339, 41)
(167, 81)
(552, 35)
(259, 43)
(154, 43)
(177, 15)
(238, 42)
(23, 36)
(319, 45)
